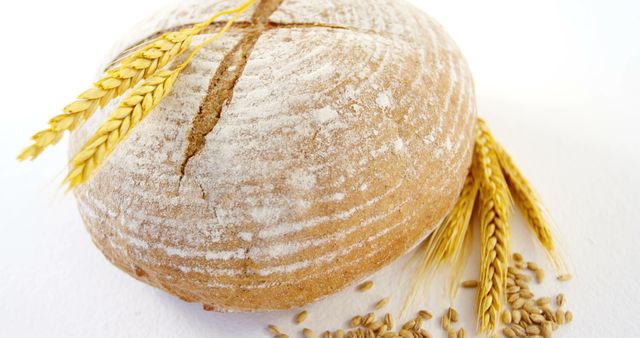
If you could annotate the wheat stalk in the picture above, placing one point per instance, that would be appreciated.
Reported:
(446, 243)
(458, 259)
(132, 109)
(494, 229)
(142, 64)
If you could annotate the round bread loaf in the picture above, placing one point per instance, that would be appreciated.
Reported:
(313, 144)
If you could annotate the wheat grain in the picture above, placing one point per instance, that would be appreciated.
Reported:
(517, 257)
(543, 301)
(519, 330)
(565, 277)
(301, 317)
(568, 316)
(453, 315)
(356, 321)
(142, 64)
(308, 333)
(382, 303)
(560, 299)
(424, 314)
(470, 284)
(273, 329)
(508, 332)
(388, 320)
(536, 318)
(560, 316)
(445, 322)
(506, 316)
(494, 231)
(132, 109)
(375, 325)
(365, 286)
(515, 316)
(532, 266)
(532, 330)
(409, 324)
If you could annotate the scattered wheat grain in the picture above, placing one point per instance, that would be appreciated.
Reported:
(532, 329)
(560, 299)
(308, 333)
(543, 301)
(470, 284)
(508, 332)
(515, 316)
(356, 321)
(547, 330)
(301, 317)
(560, 316)
(445, 322)
(537, 318)
(506, 317)
(273, 329)
(365, 286)
(368, 319)
(388, 320)
(424, 314)
(568, 316)
(565, 277)
(518, 330)
(382, 303)
(452, 314)
(518, 303)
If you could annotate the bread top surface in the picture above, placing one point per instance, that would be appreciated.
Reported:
(345, 138)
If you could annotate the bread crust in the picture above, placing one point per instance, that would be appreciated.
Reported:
(343, 142)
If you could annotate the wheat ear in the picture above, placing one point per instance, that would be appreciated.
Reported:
(526, 199)
(532, 210)
(494, 229)
(446, 243)
(142, 64)
(132, 109)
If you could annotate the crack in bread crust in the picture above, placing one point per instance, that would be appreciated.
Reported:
(215, 27)
(222, 83)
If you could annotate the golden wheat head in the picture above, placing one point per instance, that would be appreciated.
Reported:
(532, 210)
(133, 108)
(114, 83)
(494, 229)
(526, 199)
(132, 69)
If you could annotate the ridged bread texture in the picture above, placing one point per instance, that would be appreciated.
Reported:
(313, 144)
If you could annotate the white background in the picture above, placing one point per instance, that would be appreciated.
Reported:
(556, 80)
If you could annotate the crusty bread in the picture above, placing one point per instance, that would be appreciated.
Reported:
(313, 144)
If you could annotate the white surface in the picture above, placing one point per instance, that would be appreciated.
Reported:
(556, 80)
